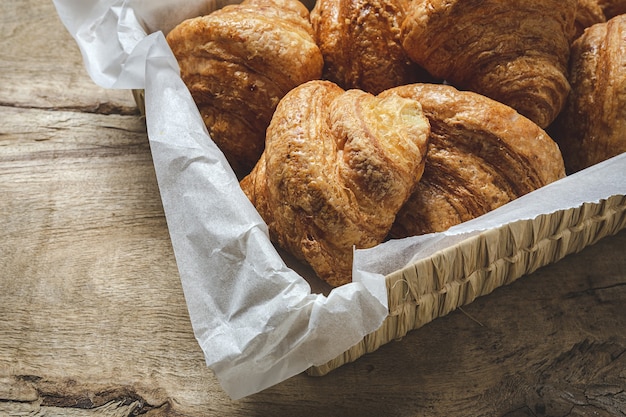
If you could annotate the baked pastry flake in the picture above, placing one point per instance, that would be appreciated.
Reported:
(612, 8)
(238, 62)
(588, 13)
(592, 126)
(515, 52)
(336, 168)
(361, 45)
(482, 154)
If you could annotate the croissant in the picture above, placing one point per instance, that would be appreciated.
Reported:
(360, 43)
(592, 126)
(336, 168)
(588, 13)
(515, 52)
(612, 8)
(482, 154)
(238, 62)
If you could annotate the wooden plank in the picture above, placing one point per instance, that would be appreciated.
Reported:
(93, 319)
(91, 298)
(41, 65)
(94, 311)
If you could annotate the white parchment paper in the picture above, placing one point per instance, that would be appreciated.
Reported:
(257, 321)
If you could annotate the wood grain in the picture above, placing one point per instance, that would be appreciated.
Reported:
(93, 321)
(41, 65)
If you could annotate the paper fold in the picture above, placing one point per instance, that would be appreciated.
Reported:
(257, 321)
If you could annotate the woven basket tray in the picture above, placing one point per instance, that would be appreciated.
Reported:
(454, 277)
(451, 278)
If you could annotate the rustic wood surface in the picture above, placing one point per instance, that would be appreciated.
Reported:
(92, 316)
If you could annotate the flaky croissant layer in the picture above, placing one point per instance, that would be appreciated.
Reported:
(238, 62)
(337, 167)
(361, 44)
(482, 154)
(592, 126)
(515, 51)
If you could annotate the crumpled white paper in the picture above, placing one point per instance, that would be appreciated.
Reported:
(257, 321)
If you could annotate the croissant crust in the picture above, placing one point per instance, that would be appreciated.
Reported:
(238, 62)
(482, 154)
(612, 8)
(361, 44)
(592, 126)
(500, 49)
(337, 167)
(588, 13)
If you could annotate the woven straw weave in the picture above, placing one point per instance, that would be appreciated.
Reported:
(453, 277)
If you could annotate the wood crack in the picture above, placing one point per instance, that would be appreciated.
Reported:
(592, 290)
(103, 108)
(39, 394)
(585, 379)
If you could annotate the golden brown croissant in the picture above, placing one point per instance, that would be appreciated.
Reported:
(238, 62)
(588, 13)
(360, 42)
(592, 126)
(482, 154)
(337, 167)
(612, 8)
(515, 52)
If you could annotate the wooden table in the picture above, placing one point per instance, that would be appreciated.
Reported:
(93, 319)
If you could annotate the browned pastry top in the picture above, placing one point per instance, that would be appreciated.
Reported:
(337, 167)
(482, 154)
(612, 8)
(361, 45)
(515, 52)
(238, 62)
(588, 13)
(592, 126)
